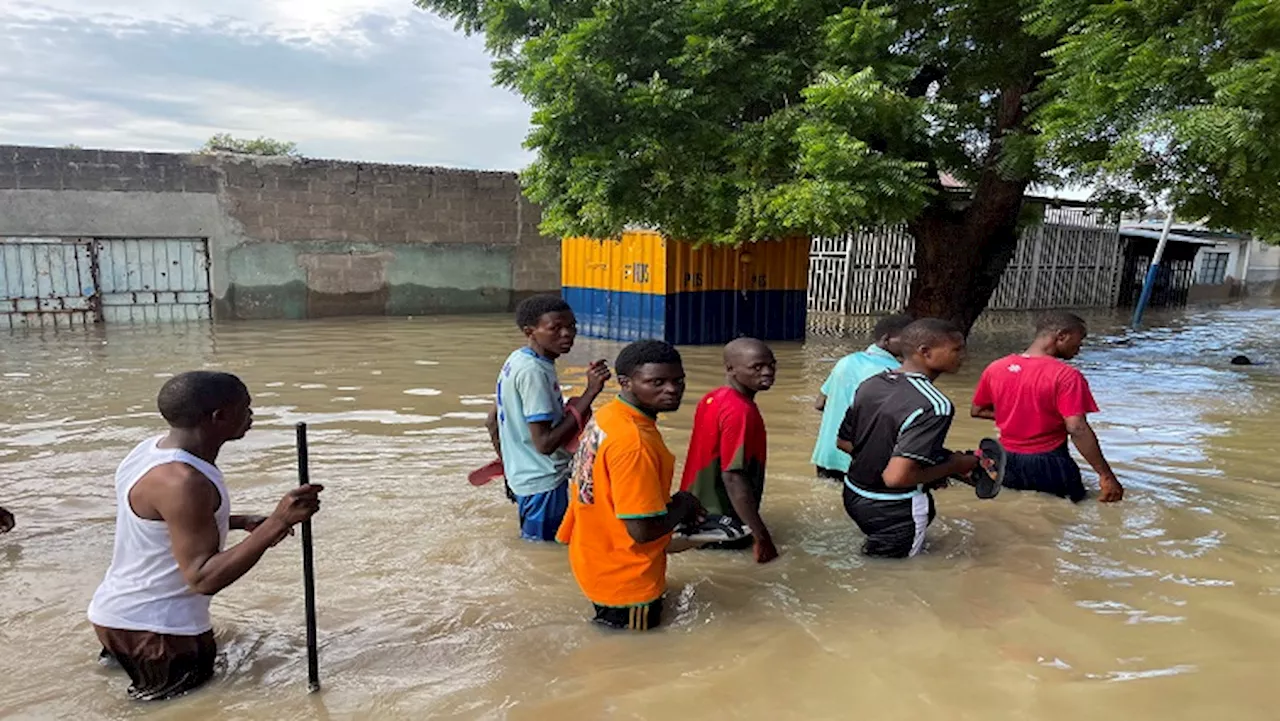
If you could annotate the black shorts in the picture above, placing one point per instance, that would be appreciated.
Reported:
(645, 617)
(1055, 473)
(894, 529)
(830, 474)
(159, 665)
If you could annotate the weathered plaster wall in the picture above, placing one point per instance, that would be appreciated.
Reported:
(296, 238)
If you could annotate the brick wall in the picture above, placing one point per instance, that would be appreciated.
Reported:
(300, 199)
(25, 168)
(316, 206)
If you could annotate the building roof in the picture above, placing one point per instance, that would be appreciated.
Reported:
(1182, 233)
(1132, 232)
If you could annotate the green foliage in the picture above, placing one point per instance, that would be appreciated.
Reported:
(1150, 98)
(731, 120)
(226, 143)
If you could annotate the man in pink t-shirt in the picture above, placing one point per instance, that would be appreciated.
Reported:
(1037, 401)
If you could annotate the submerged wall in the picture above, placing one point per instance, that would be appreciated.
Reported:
(298, 238)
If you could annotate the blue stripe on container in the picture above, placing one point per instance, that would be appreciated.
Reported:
(617, 315)
(696, 318)
(712, 317)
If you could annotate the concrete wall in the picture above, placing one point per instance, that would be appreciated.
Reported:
(1264, 269)
(297, 238)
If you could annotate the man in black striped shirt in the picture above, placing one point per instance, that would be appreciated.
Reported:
(895, 431)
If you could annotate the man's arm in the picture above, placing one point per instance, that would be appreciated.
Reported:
(732, 433)
(683, 508)
(828, 386)
(1086, 441)
(920, 443)
(984, 403)
(641, 499)
(905, 472)
(987, 412)
(547, 437)
(747, 506)
(250, 523)
(848, 426)
(491, 423)
(187, 502)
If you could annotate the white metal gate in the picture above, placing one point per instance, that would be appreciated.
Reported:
(153, 280)
(863, 272)
(47, 282)
(1071, 260)
(66, 282)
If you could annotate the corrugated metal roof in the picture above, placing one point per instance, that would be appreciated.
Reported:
(1132, 232)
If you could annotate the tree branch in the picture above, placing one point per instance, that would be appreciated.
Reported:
(927, 76)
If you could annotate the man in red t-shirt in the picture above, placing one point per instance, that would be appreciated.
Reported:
(728, 446)
(1037, 401)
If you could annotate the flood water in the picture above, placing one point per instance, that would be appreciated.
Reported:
(1166, 606)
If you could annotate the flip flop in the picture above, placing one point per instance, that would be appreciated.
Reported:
(493, 469)
(488, 472)
(988, 477)
(716, 529)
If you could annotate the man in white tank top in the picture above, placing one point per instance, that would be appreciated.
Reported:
(151, 612)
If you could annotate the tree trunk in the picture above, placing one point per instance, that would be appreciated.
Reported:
(961, 255)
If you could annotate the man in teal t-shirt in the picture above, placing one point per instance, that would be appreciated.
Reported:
(837, 392)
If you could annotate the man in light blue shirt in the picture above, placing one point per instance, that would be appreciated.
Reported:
(530, 423)
(837, 392)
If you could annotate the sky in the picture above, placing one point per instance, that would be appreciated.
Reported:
(376, 80)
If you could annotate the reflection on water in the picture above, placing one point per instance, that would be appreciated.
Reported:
(1166, 606)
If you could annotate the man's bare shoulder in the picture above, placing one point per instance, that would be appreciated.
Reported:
(172, 483)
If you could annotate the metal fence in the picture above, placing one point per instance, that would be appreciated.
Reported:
(1070, 260)
(69, 282)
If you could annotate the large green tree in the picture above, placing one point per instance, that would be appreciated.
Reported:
(732, 120)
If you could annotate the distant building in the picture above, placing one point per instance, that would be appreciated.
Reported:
(1199, 264)
(1263, 276)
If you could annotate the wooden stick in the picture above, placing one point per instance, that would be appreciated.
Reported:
(308, 571)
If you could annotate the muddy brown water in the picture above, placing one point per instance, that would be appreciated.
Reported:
(1164, 607)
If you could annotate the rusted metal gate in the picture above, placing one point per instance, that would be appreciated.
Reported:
(68, 282)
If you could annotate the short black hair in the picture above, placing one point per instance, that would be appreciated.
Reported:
(530, 310)
(644, 352)
(188, 399)
(891, 325)
(1060, 321)
(928, 332)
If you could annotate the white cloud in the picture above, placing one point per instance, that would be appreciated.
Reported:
(320, 20)
(226, 108)
(377, 80)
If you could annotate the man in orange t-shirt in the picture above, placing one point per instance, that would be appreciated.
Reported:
(621, 511)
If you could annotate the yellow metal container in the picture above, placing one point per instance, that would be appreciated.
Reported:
(644, 286)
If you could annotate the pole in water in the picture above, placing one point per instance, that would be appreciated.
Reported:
(1152, 271)
(308, 571)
